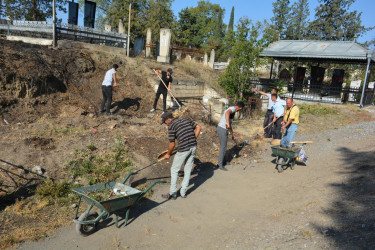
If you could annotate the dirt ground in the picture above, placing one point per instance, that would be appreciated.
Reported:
(325, 204)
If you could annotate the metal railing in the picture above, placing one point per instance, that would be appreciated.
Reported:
(65, 31)
(324, 93)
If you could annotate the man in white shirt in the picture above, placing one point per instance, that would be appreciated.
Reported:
(107, 84)
(278, 113)
(269, 114)
(222, 129)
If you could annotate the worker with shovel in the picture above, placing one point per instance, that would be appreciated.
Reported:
(164, 88)
(290, 123)
(269, 115)
(186, 132)
(108, 83)
(222, 129)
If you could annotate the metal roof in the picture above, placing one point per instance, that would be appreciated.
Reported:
(315, 50)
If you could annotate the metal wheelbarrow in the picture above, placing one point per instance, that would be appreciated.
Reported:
(116, 202)
(287, 156)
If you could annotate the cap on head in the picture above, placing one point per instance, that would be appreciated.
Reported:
(166, 116)
(170, 71)
(115, 66)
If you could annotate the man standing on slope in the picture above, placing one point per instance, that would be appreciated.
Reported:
(109, 82)
(166, 77)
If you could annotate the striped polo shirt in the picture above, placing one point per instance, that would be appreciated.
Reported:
(182, 129)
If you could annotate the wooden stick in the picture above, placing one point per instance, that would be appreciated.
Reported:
(268, 125)
(272, 122)
(170, 92)
(301, 142)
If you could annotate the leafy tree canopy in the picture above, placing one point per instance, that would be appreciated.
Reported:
(281, 11)
(246, 50)
(201, 26)
(30, 10)
(297, 22)
(334, 21)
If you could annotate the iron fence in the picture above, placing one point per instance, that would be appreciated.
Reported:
(65, 31)
(324, 92)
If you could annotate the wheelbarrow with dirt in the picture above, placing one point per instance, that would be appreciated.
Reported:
(286, 157)
(110, 198)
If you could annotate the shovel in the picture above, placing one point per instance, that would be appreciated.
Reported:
(160, 158)
(131, 178)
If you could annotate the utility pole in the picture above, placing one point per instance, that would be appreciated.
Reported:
(54, 42)
(128, 45)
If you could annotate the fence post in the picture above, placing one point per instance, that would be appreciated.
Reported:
(54, 42)
(366, 78)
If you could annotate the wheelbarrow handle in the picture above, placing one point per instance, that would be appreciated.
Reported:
(128, 176)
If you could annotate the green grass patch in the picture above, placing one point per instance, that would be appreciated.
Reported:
(94, 168)
(317, 109)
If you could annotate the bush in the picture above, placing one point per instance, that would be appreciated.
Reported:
(54, 190)
(98, 169)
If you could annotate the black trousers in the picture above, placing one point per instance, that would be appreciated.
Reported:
(164, 93)
(107, 97)
(276, 131)
(267, 120)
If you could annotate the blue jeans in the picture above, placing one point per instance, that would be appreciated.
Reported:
(289, 135)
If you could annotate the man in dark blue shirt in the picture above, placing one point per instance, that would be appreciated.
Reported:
(163, 89)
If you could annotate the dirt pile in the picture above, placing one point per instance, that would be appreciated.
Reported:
(29, 71)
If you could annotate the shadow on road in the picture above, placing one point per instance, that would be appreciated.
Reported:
(353, 211)
(233, 152)
(202, 172)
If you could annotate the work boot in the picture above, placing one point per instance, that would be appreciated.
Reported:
(223, 168)
(169, 196)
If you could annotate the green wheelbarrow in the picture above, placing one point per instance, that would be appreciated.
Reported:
(120, 197)
(287, 156)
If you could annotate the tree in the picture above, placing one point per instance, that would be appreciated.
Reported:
(187, 28)
(297, 22)
(30, 10)
(154, 14)
(269, 34)
(231, 20)
(281, 11)
(334, 21)
(247, 47)
(159, 15)
(202, 26)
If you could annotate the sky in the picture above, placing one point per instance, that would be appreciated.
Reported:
(258, 10)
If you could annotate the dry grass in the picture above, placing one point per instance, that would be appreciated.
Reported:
(331, 117)
(30, 220)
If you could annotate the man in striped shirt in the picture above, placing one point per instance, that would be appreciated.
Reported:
(186, 132)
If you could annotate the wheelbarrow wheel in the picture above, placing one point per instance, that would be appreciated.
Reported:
(279, 164)
(86, 229)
